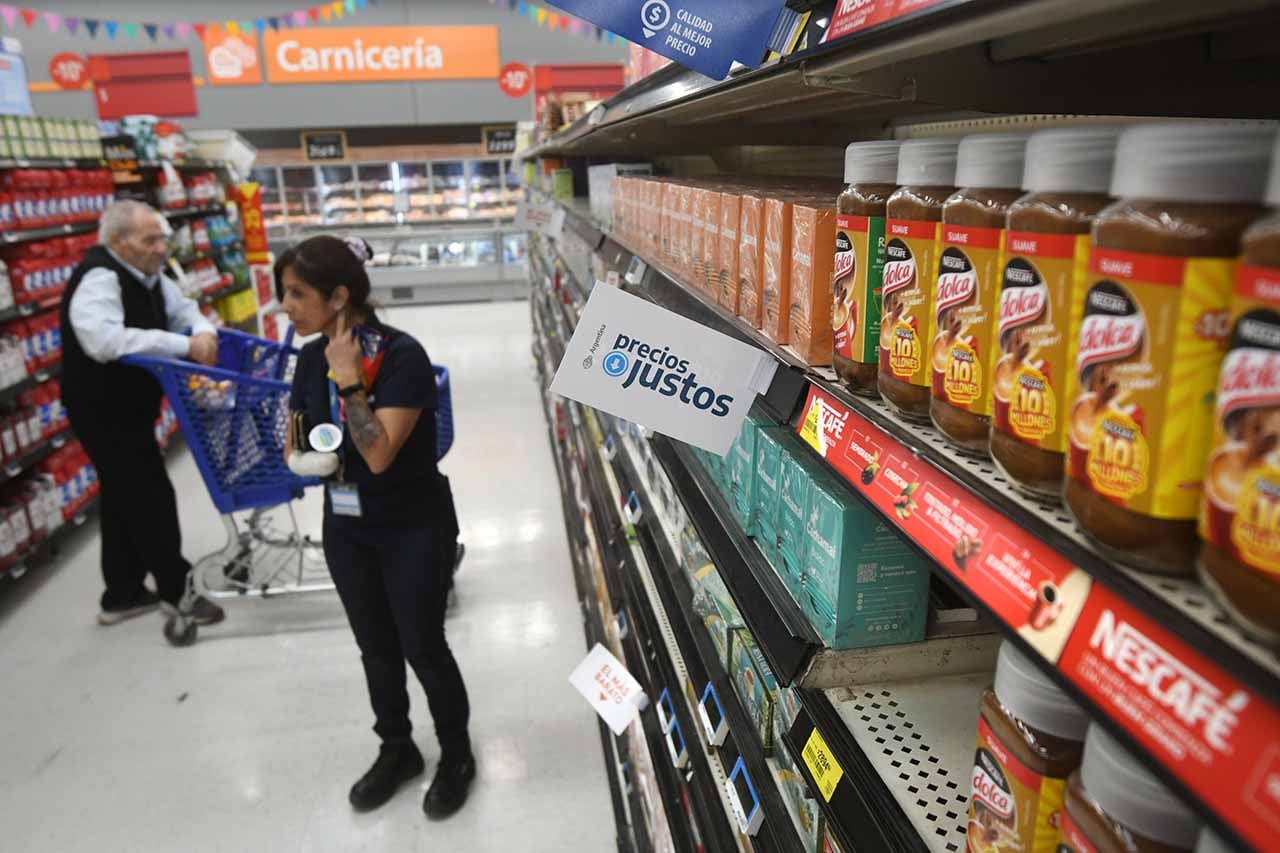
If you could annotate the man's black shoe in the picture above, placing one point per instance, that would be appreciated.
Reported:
(448, 791)
(397, 763)
(145, 602)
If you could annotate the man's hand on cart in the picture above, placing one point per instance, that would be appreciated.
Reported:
(203, 349)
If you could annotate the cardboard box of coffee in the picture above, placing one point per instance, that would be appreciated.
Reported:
(813, 245)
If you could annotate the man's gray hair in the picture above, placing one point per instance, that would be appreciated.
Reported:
(119, 219)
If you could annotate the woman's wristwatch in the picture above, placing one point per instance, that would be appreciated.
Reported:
(350, 389)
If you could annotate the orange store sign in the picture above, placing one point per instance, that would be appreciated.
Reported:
(364, 54)
(231, 59)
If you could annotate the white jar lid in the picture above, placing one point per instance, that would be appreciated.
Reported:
(991, 160)
(871, 162)
(1194, 162)
(927, 163)
(1071, 159)
(1132, 796)
(1034, 698)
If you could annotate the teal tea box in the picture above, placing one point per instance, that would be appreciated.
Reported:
(863, 585)
(771, 443)
(795, 472)
(755, 685)
(742, 475)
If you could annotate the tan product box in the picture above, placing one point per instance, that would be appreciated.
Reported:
(667, 222)
(697, 233)
(710, 276)
(751, 258)
(727, 274)
(684, 232)
(813, 247)
(775, 280)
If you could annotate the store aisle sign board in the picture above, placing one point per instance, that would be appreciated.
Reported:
(546, 219)
(374, 54)
(653, 367)
(324, 145)
(705, 35)
(15, 97)
(613, 691)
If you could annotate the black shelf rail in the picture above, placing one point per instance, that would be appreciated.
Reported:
(28, 235)
(53, 163)
(703, 664)
(194, 211)
(35, 455)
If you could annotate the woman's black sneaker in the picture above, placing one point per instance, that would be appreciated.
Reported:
(448, 791)
(397, 763)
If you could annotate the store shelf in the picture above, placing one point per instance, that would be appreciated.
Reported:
(955, 58)
(52, 163)
(670, 592)
(31, 234)
(41, 375)
(189, 164)
(193, 212)
(43, 552)
(35, 455)
(213, 296)
(1101, 604)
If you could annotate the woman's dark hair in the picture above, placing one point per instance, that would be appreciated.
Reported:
(327, 263)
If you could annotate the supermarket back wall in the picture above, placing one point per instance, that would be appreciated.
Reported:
(248, 107)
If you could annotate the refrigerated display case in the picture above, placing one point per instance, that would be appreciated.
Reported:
(383, 193)
(447, 264)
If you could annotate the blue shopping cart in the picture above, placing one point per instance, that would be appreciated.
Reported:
(235, 419)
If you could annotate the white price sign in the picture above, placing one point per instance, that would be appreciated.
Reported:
(546, 219)
(636, 361)
(609, 687)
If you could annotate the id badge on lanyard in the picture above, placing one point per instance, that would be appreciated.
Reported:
(344, 497)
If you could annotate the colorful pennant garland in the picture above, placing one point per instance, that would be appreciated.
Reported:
(336, 10)
(561, 21)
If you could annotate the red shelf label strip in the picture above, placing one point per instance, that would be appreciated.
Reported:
(1217, 736)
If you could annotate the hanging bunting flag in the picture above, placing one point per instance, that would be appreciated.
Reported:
(29, 16)
(299, 18)
(542, 16)
(564, 24)
(200, 30)
(91, 27)
(314, 14)
(246, 27)
(274, 23)
(110, 27)
(232, 27)
(183, 30)
(553, 21)
(10, 14)
(260, 25)
(338, 9)
(523, 10)
(574, 26)
(169, 31)
(53, 20)
(326, 12)
(73, 24)
(151, 29)
(130, 30)
(351, 7)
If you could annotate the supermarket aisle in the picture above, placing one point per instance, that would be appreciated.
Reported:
(250, 739)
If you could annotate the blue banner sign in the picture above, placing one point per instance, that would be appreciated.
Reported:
(705, 35)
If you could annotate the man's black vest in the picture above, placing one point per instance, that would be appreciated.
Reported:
(111, 392)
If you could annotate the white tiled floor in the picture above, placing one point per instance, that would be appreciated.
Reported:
(110, 740)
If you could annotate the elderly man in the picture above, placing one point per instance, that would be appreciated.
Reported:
(118, 303)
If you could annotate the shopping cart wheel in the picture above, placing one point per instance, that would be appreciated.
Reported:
(180, 635)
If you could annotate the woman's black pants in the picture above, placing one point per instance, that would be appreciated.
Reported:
(394, 584)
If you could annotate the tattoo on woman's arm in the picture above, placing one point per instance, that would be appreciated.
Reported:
(365, 428)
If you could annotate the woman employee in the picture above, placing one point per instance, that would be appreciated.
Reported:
(389, 527)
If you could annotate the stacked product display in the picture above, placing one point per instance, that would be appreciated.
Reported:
(1011, 483)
